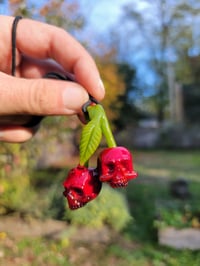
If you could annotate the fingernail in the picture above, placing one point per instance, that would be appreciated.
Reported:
(101, 85)
(73, 97)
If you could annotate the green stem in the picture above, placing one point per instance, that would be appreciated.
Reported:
(86, 164)
(107, 132)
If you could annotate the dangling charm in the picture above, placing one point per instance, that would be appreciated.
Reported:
(114, 164)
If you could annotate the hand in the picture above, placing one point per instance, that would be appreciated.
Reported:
(42, 48)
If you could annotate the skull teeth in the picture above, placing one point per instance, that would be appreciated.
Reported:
(76, 205)
(118, 185)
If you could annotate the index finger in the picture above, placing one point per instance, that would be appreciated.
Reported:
(41, 41)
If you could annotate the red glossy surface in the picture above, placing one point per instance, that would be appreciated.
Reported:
(115, 166)
(81, 186)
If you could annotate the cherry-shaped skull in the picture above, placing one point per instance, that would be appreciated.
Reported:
(116, 167)
(81, 186)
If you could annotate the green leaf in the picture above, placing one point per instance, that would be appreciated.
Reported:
(92, 133)
(90, 140)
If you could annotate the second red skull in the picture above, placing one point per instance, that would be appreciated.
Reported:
(115, 166)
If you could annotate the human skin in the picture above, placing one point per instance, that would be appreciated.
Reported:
(41, 48)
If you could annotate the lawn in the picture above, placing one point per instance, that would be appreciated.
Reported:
(137, 245)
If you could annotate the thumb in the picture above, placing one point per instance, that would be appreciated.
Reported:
(40, 96)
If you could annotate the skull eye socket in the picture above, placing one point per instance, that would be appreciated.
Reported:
(78, 191)
(111, 167)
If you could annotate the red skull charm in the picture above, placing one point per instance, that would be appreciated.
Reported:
(81, 186)
(115, 166)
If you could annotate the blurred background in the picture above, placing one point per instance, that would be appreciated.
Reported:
(148, 54)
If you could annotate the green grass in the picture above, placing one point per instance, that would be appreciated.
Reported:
(137, 245)
(34, 252)
(156, 169)
(168, 164)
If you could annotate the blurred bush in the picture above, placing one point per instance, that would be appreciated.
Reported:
(38, 193)
(16, 193)
(110, 208)
(17, 196)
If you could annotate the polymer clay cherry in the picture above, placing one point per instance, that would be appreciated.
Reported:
(115, 166)
(81, 186)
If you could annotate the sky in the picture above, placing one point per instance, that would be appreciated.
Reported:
(105, 11)
(101, 16)
(4, 8)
